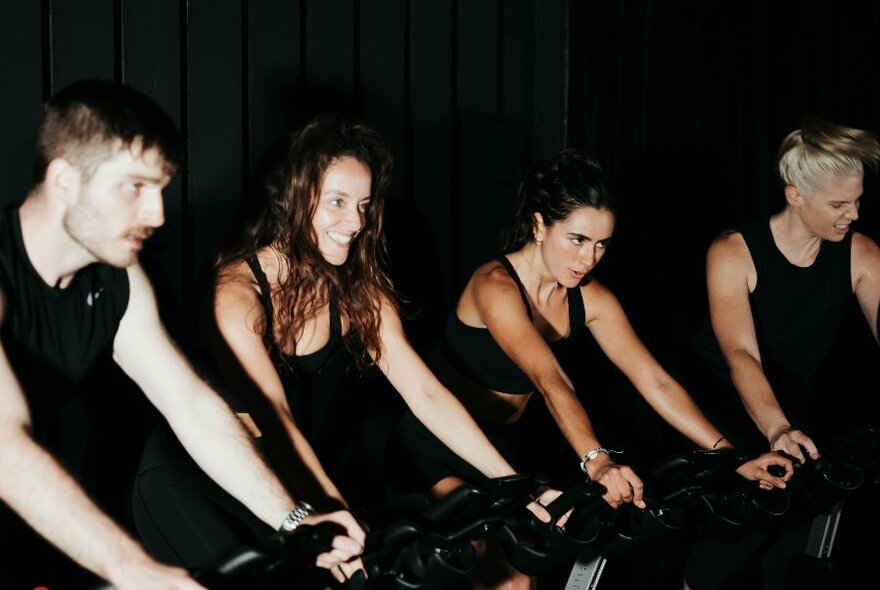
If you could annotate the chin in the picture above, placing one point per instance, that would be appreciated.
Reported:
(336, 260)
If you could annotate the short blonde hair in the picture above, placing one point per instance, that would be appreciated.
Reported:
(821, 150)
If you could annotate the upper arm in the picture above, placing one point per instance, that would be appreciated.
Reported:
(499, 304)
(401, 364)
(241, 352)
(866, 277)
(145, 352)
(609, 325)
(14, 410)
(730, 276)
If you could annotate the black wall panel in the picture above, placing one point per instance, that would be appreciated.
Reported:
(83, 40)
(21, 92)
(451, 85)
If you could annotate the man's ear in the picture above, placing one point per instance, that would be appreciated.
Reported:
(793, 197)
(63, 180)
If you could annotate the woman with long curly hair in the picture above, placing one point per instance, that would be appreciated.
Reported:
(309, 279)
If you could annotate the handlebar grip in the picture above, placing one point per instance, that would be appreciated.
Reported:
(581, 495)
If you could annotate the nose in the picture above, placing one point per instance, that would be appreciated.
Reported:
(153, 209)
(589, 256)
(355, 218)
(853, 212)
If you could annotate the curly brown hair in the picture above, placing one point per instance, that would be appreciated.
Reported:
(307, 281)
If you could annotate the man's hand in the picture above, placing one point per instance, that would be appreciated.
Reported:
(345, 547)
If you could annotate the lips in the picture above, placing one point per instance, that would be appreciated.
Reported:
(340, 239)
(138, 237)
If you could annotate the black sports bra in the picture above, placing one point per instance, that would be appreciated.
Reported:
(473, 350)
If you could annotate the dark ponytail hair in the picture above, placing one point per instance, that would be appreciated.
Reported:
(554, 187)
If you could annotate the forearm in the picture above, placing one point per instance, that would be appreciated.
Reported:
(757, 397)
(221, 446)
(569, 414)
(307, 454)
(449, 421)
(41, 491)
(680, 411)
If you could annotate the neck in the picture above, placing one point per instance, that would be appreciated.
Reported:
(797, 243)
(531, 255)
(51, 251)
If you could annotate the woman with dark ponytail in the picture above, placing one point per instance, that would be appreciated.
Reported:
(519, 311)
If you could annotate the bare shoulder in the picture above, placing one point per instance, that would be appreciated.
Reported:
(595, 290)
(236, 288)
(729, 244)
(865, 261)
(490, 277)
(864, 247)
(599, 300)
(729, 253)
(489, 292)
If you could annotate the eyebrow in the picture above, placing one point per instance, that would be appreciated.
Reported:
(146, 178)
(583, 237)
(333, 191)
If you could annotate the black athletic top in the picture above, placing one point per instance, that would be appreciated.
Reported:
(307, 364)
(473, 350)
(798, 312)
(54, 336)
(318, 385)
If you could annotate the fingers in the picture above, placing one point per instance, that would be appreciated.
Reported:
(547, 496)
(770, 469)
(638, 488)
(564, 519)
(343, 549)
(797, 445)
(785, 463)
(350, 523)
(345, 570)
(622, 485)
(538, 509)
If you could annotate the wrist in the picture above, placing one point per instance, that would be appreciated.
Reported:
(301, 510)
(778, 432)
(591, 455)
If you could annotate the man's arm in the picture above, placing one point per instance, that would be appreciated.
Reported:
(44, 494)
(203, 422)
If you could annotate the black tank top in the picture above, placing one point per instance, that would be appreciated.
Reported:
(54, 336)
(474, 352)
(798, 313)
(307, 364)
(317, 384)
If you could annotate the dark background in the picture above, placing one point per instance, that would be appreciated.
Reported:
(684, 103)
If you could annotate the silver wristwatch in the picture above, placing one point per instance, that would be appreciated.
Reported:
(299, 513)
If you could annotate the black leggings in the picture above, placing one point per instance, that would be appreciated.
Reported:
(182, 516)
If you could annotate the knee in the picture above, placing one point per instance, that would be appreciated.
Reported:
(520, 581)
